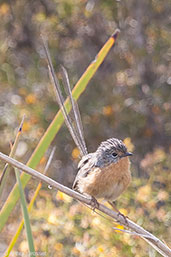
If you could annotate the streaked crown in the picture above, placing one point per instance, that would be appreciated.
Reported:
(112, 144)
(111, 151)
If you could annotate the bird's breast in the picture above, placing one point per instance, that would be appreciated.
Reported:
(107, 182)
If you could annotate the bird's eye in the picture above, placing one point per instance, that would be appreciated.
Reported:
(114, 154)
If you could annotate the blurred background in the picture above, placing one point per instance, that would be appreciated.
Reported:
(128, 98)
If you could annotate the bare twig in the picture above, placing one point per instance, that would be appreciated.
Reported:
(131, 233)
(163, 249)
(49, 159)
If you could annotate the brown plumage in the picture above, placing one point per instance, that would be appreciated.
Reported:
(106, 172)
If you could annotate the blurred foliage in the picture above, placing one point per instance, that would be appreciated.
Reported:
(129, 98)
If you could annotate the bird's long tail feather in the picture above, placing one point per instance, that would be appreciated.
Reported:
(74, 124)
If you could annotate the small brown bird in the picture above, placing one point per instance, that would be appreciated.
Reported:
(106, 172)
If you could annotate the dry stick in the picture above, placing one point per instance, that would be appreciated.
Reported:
(147, 236)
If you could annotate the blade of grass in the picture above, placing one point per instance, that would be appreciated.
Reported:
(15, 237)
(25, 215)
(24, 204)
(54, 128)
(22, 196)
(5, 172)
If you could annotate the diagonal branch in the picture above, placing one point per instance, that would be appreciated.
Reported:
(156, 243)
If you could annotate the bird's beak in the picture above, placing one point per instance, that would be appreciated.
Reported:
(127, 154)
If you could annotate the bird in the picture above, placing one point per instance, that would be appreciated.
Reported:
(106, 172)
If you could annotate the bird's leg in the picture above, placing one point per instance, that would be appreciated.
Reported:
(119, 213)
(93, 201)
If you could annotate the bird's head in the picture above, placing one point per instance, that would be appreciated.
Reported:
(111, 151)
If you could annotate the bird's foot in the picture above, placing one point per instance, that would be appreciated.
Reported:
(118, 212)
(94, 203)
(123, 216)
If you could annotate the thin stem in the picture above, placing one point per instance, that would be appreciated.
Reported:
(5, 172)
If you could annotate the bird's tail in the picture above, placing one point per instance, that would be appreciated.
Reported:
(72, 119)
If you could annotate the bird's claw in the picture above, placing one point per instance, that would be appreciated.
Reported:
(123, 216)
(94, 203)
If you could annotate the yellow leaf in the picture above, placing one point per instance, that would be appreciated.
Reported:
(4, 8)
(76, 251)
(26, 126)
(107, 110)
(63, 197)
(101, 249)
(119, 227)
(60, 196)
(43, 160)
(30, 99)
(123, 211)
(75, 153)
(58, 246)
(40, 17)
(129, 144)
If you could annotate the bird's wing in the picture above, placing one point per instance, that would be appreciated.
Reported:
(84, 167)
